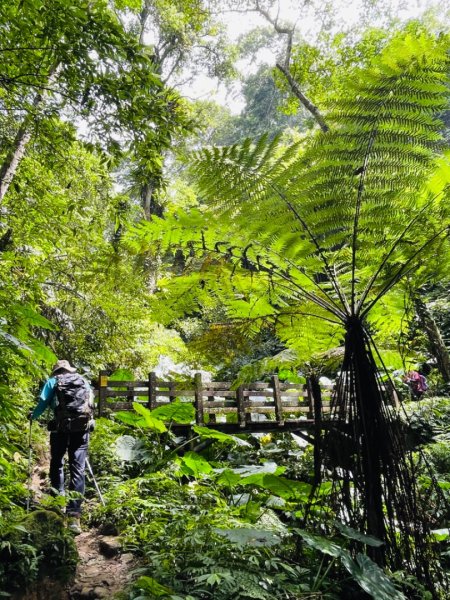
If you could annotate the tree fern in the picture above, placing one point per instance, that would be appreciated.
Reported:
(324, 231)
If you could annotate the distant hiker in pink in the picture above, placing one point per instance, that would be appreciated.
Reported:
(417, 384)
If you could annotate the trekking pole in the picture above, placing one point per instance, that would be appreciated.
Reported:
(88, 464)
(30, 451)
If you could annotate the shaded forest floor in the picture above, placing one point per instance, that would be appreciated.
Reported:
(103, 571)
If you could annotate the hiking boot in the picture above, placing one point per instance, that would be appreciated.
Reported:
(73, 525)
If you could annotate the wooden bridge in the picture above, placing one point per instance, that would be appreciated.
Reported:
(284, 406)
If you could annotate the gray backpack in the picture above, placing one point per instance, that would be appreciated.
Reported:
(74, 409)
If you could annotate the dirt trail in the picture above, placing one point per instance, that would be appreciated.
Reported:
(103, 570)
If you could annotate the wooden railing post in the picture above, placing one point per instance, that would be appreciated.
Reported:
(310, 398)
(199, 413)
(240, 398)
(277, 400)
(130, 396)
(211, 416)
(102, 385)
(151, 390)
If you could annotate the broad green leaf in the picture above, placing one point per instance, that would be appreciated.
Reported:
(11, 339)
(358, 536)
(180, 412)
(196, 463)
(320, 543)
(42, 352)
(33, 318)
(121, 375)
(268, 466)
(150, 585)
(206, 433)
(150, 422)
(441, 534)
(228, 478)
(444, 485)
(280, 486)
(130, 418)
(371, 578)
(127, 448)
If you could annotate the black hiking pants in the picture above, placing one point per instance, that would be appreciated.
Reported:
(75, 443)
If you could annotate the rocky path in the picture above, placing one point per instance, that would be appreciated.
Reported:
(103, 570)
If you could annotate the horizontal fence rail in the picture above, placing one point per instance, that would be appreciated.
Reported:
(259, 405)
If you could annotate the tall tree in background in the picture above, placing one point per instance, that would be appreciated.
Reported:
(181, 39)
(76, 60)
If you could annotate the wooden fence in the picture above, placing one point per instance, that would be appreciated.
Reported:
(283, 404)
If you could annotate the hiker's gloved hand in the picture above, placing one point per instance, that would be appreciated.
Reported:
(30, 415)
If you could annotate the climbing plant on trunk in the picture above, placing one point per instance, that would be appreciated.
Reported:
(322, 232)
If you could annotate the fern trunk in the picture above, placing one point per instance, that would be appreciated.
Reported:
(374, 477)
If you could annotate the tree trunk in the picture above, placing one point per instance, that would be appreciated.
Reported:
(12, 161)
(306, 102)
(436, 344)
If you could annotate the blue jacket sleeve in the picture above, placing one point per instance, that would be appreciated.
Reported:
(46, 398)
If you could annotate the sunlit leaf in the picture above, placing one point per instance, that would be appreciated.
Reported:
(150, 422)
(179, 412)
(279, 486)
(211, 434)
(196, 463)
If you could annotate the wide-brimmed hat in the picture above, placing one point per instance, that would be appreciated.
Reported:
(63, 365)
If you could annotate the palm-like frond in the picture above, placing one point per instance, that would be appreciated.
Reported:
(355, 196)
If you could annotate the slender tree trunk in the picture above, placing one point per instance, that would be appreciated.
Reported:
(304, 100)
(284, 67)
(13, 159)
(436, 344)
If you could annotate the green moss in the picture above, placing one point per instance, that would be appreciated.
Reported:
(34, 548)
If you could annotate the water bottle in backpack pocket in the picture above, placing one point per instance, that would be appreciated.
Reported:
(74, 407)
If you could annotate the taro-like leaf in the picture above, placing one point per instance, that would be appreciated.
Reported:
(228, 478)
(179, 412)
(371, 578)
(267, 467)
(358, 536)
(212, 434)
(130, 418)
(280, 486)
(151, 422)
(196, 463)
(127, 448)
(320, 543)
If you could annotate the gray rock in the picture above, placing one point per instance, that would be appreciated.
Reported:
(109, 546)
(127, 557)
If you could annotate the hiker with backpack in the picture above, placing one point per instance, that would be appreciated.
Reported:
(70, 397)
(417, 384)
